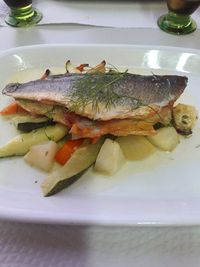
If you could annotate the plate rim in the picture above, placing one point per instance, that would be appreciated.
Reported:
(122, 45)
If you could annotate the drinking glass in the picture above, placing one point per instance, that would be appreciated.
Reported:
(22, 13)
(178, 19)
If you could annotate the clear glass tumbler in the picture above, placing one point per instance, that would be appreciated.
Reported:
(22, 13)
(178, 19)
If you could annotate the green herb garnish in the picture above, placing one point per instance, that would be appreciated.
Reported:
(99, 89)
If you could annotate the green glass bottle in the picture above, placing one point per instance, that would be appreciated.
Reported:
(22, 13)
(178, 19)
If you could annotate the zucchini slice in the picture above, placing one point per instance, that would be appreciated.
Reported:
(79, 162)
(28, 123)
(27, 127)
(21, 143)
(16, 119)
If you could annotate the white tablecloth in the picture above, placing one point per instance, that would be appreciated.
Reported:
(30, 245)
(121, 14)
(24, 245)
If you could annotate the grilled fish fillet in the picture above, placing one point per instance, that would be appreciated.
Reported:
(103, 96)
(97, 104)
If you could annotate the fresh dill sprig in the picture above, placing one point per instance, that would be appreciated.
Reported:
(95, 89)
(99, 91)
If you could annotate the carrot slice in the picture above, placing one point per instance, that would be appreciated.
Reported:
(65, 152)
(12, 108)
(82, 66)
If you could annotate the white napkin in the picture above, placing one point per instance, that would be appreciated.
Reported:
(123, 14)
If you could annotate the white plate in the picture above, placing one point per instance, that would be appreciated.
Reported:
(162, 190)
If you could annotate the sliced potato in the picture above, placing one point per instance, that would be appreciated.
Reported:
(166, 138)
(42, 155)
(110, 158)
(135, 147)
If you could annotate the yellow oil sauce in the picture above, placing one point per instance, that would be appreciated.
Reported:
(94, 182)
(33, 74)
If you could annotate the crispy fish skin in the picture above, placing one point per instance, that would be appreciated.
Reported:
(104, 96)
